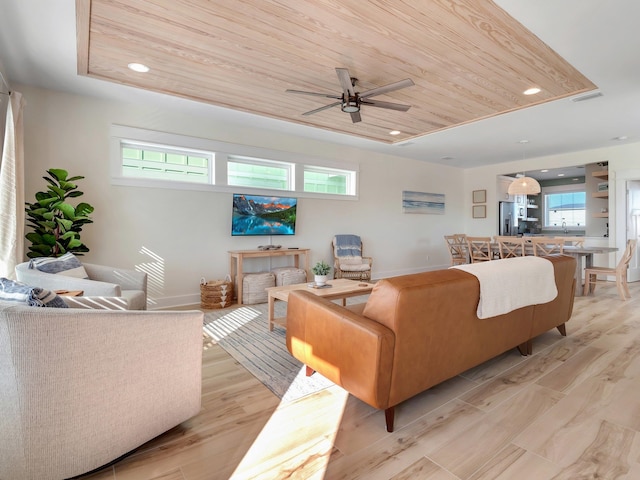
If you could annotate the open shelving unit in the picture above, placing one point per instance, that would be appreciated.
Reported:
(604, 175)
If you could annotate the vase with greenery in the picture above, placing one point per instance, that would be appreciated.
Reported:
(56, 223)
(321, 272)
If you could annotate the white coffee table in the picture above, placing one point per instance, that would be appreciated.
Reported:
(340, 288)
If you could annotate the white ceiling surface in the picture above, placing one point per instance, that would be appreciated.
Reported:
(600, 38)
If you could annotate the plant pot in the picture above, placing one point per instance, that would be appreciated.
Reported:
(320, 279)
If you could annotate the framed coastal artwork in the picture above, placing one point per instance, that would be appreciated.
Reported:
(421, 202)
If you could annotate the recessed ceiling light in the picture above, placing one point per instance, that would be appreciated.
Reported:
(561, 174)
(447, 158)
(523, 141)
(544, 171)
(395, 132)
(138, 67)
(531, 91)
(621, 137)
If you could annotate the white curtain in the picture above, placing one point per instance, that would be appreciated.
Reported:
(12, 189)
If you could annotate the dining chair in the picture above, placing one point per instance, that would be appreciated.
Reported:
(457, 245)
(573, 241)
(509, 247)
(619, 271)
(547, 246)
(479, 249)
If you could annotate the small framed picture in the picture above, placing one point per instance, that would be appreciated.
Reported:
(479, 196)
(479, 211)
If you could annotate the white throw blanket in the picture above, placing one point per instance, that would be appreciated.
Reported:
(512, 283)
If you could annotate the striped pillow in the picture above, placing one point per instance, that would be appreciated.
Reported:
(12, 291)
(66, 264)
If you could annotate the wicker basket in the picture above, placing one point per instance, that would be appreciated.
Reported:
(216, 293)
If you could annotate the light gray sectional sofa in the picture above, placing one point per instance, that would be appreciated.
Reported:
(127, 288)
(80, 388)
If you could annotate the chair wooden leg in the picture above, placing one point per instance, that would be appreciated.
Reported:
(389, 416)
(562, 329)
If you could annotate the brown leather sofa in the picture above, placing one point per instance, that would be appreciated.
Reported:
(414, 332)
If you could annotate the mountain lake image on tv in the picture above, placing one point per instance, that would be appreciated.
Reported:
(263, 215)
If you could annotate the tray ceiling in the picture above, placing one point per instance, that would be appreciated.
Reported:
(469, 60)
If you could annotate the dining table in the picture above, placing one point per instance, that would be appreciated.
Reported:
(586, 253)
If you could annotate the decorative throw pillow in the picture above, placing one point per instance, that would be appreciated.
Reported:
(67, 265)
(13, 291)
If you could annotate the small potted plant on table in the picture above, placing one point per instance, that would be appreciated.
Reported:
(321, 272)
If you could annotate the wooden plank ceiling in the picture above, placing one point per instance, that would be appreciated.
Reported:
(468, 59)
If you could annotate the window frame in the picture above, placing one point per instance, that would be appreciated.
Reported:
(557, 190)
(222, 153)
(287, 166)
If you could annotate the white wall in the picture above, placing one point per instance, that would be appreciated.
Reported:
(185, 235)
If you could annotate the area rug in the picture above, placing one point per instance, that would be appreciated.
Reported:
(243, 332)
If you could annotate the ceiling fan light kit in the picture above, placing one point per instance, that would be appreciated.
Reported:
(351, 101)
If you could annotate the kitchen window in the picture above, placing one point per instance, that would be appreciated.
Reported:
(565, 209)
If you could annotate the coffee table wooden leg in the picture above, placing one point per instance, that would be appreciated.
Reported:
(270, 302)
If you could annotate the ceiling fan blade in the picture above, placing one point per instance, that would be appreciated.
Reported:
(355, 117)
(407, 82)
(337, 97)
(391, 106)
(326, 107)
(345, 81)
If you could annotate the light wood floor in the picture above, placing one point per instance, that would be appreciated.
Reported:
(570, 411)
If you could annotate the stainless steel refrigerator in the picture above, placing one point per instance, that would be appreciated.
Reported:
(507, 218)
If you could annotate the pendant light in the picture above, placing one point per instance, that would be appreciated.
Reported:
(524, 185)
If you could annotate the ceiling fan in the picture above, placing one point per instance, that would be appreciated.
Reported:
(350, 101)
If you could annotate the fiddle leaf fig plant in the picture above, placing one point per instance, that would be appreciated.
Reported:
(56, 223)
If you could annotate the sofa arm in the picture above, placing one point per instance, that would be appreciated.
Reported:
(126, 278)
(350, 350)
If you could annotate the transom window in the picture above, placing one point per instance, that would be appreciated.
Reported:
(327, 180)
(150, 158)
(567, 209)
(254, 172)
(164, 163)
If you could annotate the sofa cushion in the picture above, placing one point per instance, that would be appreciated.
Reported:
(350, 260)
(348, 267)
(13, 291)
(66, 264)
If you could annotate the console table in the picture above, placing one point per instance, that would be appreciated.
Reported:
(237, 258)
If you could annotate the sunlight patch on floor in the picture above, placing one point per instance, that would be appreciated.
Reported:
(298, 437)
(230, 322)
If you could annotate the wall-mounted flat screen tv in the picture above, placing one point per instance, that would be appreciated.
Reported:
(263, 215)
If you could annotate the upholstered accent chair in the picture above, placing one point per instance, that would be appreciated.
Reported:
(125, 289)
(348, 261)
(81, 388)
